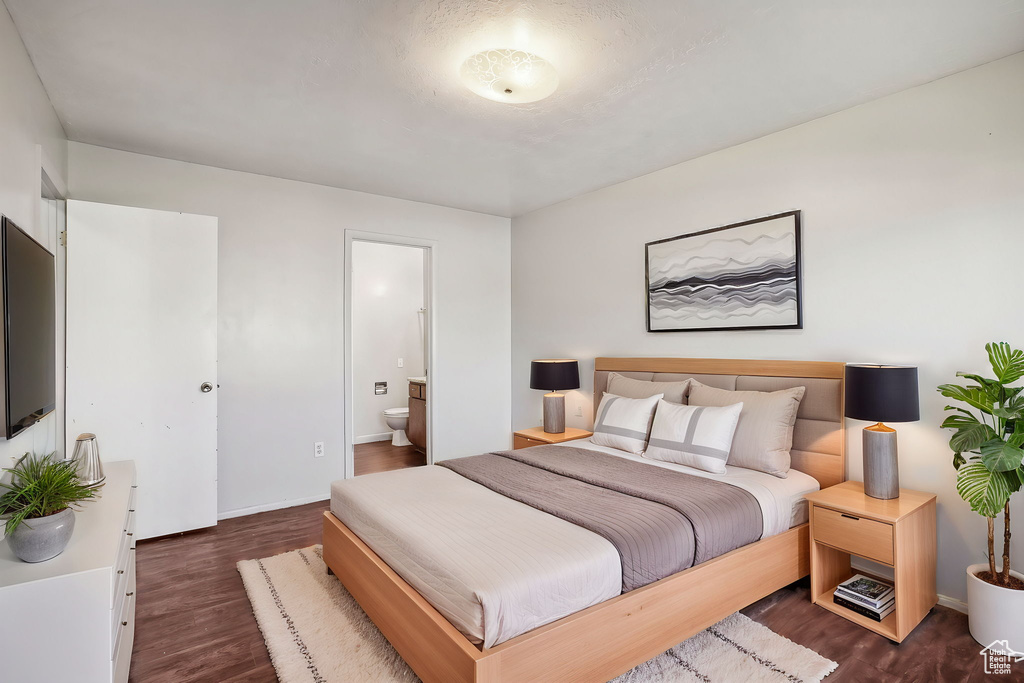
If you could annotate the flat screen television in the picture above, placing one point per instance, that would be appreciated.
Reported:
(29, 328)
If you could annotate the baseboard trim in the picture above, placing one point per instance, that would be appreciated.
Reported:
(371, 438)
(242, 512)
(953, 603)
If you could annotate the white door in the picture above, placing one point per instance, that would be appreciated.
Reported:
(142, 353)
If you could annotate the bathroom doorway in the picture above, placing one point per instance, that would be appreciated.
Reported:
(388, 352)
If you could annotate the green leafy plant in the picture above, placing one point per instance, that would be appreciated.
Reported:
(40, 486)
(988, 445)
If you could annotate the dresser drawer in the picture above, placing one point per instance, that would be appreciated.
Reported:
(124, 637)
(855, 535)
(125, 595)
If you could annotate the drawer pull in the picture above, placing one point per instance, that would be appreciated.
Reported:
(124, 623)
(856, 519)
(130, 594)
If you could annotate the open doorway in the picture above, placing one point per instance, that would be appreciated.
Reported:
(388, 361)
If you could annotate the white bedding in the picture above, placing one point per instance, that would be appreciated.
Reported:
(497, 568)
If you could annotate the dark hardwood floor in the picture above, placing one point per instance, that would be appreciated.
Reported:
(194, 622)
(381, 456)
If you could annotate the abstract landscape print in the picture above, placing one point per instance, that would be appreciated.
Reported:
(740, 276)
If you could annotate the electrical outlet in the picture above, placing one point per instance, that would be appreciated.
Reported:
(318, 449)
(579, 411)
(401, 362)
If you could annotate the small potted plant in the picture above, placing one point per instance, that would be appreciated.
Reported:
(988, 455)
(37, 503)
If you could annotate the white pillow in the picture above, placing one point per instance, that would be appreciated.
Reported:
(624, 423)
(698, 436)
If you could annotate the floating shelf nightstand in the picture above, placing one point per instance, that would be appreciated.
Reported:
(536, 436)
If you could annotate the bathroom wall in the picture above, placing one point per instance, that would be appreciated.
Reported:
(387, 293)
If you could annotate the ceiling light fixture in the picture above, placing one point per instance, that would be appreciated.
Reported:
(511, 76)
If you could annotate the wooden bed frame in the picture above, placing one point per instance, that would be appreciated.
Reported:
(608, 639)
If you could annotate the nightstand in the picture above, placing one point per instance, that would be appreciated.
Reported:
(536, 436)
(898, 533)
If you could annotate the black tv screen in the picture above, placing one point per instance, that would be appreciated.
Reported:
(29, 329)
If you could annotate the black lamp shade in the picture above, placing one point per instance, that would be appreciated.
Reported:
(882, 393)
(554, 375)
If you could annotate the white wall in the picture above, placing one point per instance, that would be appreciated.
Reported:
(29, 132)
(913, 235)
(387, 294)
(281, 361)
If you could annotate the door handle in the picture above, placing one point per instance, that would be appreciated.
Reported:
(206, 387)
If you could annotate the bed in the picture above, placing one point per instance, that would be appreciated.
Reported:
(601, 632)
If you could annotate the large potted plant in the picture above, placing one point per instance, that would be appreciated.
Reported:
(988, 456)
(37, 503)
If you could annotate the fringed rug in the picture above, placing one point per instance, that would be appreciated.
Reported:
(316, 633)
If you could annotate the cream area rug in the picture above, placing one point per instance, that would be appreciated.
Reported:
(316, 633)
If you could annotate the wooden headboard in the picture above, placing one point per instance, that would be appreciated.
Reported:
(819, 436)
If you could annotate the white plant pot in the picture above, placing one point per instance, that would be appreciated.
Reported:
(995, 613)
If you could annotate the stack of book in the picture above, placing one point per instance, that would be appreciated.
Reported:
(864, 595)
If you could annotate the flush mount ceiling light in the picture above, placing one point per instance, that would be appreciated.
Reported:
(511, 76)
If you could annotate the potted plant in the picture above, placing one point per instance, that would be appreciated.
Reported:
(987, 455)
(37, 504)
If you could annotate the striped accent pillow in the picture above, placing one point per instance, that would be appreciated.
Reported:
(698, 436)
(624, 423)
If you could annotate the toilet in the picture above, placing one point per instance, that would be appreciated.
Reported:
(398, 420)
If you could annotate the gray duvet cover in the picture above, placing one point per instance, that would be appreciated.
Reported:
(660, 521)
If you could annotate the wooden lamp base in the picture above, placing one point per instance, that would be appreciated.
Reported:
(554, 413)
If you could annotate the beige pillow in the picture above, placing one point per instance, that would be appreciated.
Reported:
(764, 433)
(674, 392)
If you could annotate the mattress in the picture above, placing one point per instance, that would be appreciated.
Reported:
(497, 568)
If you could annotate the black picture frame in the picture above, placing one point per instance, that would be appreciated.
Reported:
(796, 267)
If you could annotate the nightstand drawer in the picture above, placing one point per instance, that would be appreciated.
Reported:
(856, 535)
(522, 442)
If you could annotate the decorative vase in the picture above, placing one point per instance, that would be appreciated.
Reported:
(993, 612)
(42, 538)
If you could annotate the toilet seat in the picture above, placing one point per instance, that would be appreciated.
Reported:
(397, 412)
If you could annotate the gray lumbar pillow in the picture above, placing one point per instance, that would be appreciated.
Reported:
(627, 387)
(764, 433)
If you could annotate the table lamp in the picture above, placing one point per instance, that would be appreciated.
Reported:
(554, 375)
(881, 393)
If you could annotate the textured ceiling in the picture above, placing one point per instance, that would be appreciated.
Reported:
(365, 94)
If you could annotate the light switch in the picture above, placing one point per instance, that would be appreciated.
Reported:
(401, 362)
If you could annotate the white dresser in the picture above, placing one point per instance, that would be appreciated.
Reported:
(72, 618)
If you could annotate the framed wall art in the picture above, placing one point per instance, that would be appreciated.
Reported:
(735, 277)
